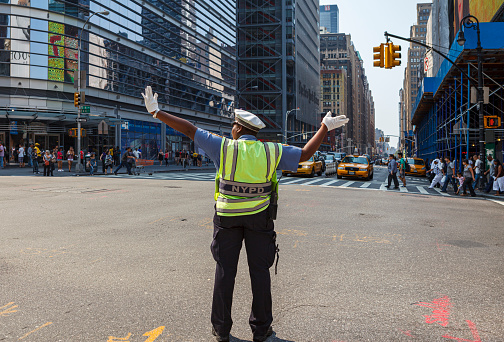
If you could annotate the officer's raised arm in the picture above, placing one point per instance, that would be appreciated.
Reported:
(178, 124)
(328, 124)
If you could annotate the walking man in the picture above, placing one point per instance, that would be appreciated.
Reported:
(490, 174)
(438, 173)
(125, 161)
(450, 175)
(245, 191)
(477, 171)
(402, 169)
(392, 170)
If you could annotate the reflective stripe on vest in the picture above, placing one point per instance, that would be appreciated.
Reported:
(245, 176)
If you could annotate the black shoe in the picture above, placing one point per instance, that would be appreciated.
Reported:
(396, 187)
(219, 338)
(265, 336)
(115, 173)
(387, 186)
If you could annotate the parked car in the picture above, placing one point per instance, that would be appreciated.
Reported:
(308, 168)
(355, 166)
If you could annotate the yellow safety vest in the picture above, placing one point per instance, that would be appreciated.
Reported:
(246, 176)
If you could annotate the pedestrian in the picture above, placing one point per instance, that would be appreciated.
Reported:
(468, 174)
(460, 179)
(177, 157)
(437, 171)
(402, 169)
(136, 153)
(103, 156)
(59, 158)
(12, 156)
(21, 156)
(240, 213)
(161, 157)
(2, 154)
(498, 184)
(109, 161)
(450, 175)
(477, 171)
(47, 162)
(70, 158)
(53, 161)
(125, 161)
(166, 157)
(490, 173)
(199, 159)
(92, 164)
(194, 158)
(392, 172)
(29, 155)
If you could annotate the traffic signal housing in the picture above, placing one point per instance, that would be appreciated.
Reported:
(378, 56)
(77, 99)
(492, 121)
(392, 57)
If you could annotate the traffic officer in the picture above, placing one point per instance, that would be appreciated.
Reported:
(245, 192)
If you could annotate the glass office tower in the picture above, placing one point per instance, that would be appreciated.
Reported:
(184, 49)
(329, 18)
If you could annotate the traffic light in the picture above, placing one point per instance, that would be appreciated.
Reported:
(77, 99)
(492, 121)
(379, 60)
(392, 57)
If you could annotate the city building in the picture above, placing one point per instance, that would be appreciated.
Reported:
(184, 49)
(329, 18)
(353, 96)
(445, 115)
(278, 66)
(413, 74)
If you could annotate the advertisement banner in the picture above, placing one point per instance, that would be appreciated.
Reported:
(56, 52)
(71, 45)
(485, 10)
(20, 39)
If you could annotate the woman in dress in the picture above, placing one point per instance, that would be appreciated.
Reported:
(70, 157)
(498, 184)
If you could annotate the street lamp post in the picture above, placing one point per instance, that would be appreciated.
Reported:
(285, 123)
(79, 167)
(470, 21)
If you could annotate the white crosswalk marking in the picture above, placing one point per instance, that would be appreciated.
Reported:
(292, 181)
(403, 189)
(347, 184)
(365, 185)
(422, 190)
(382, 187)
(329, 183)
(441, 193)
(311, 182)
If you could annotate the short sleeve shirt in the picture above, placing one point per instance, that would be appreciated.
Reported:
(211, 144)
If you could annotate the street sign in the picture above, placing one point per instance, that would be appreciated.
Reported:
(102, 127)
(85, 109)
(81, 120)
(125, 125)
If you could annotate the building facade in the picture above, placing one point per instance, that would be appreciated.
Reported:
(413, 74)
(278, 66)
(337, 52)
(184, 49)
(329, 18)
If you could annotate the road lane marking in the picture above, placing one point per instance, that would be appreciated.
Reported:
(496, 201)
(31, 332)
(153, 334)
(403, 189)
(347, 184)
(9, 310)
(329, 183)
(292, 181)
(441, 193)
(422, 190)
(311, 182)
(365, 185)
(383, 187)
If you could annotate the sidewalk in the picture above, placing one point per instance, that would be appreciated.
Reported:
(27, 171)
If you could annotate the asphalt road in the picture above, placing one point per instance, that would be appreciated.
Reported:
(114, 259)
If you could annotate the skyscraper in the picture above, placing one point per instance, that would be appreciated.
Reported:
(329, 18)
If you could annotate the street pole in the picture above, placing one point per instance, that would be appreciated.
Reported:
(470, 21)
(79, 167)
(285, 123)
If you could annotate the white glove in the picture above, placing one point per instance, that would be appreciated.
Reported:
(333, 123)
(151, 101)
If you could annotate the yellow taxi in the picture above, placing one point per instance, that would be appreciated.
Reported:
(308, 168)
(355, 166)
(417, 167)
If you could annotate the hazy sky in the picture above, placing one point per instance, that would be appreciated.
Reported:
(366, 21)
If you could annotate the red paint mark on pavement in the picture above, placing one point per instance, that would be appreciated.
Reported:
(474, 332)
(439, 246)
(440, 311)
(407, 332)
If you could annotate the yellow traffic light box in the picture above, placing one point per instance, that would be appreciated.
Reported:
(392, 57)
(378, 56)
(492, 121)
(76, 99)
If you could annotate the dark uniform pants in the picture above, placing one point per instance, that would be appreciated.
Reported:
(260, 243)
